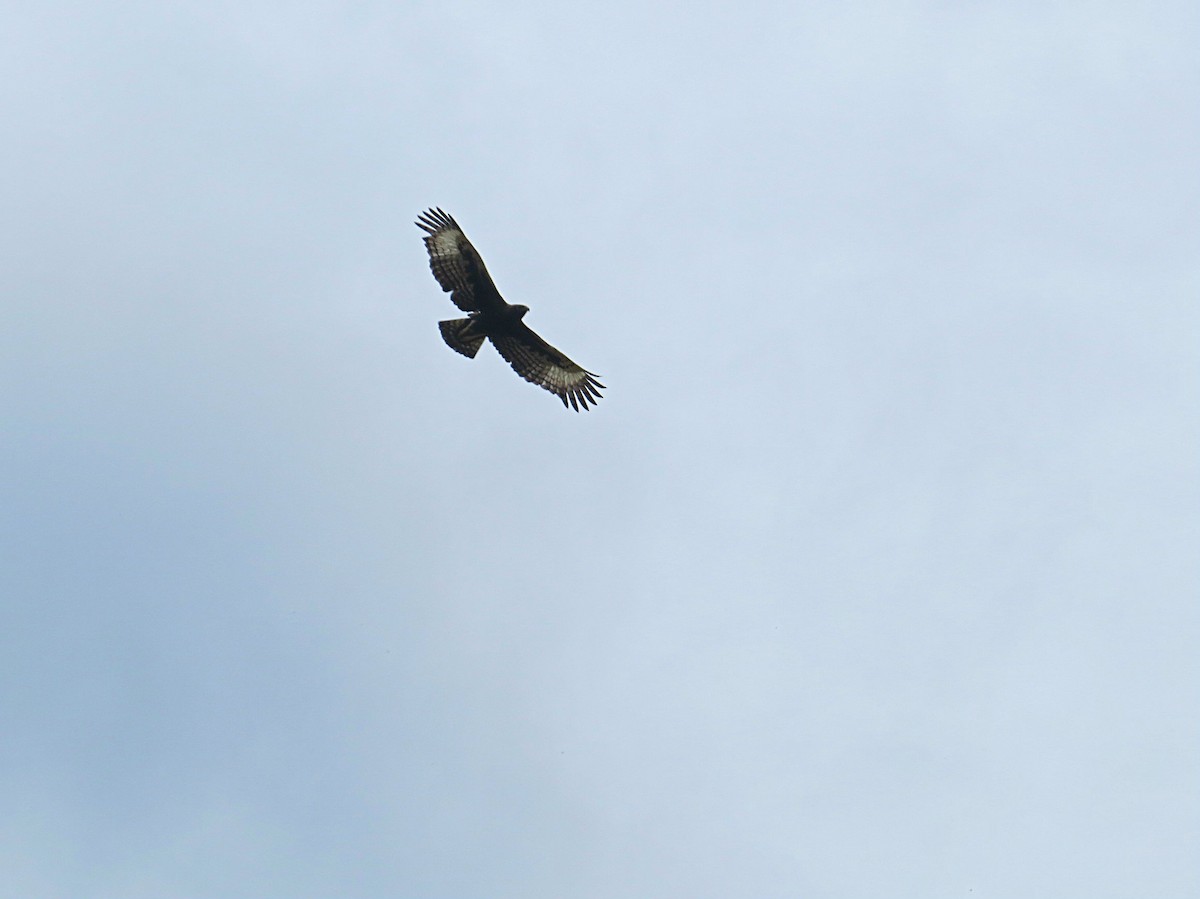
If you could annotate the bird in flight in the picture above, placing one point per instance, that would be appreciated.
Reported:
(459, 268)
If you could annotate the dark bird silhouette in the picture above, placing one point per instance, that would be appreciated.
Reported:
(459, 268)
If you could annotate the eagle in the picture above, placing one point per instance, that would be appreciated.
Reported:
(460, 271)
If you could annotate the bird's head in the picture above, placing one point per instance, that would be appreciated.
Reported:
(518, 311)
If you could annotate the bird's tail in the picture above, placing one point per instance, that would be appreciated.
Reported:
(462, 336)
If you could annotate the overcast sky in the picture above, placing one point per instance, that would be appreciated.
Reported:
(874, 574)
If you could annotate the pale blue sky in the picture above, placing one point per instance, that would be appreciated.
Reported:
(873, 574)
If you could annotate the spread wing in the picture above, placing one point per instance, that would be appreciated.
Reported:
(539, 363)
(456, 264)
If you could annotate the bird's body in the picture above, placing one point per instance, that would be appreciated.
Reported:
(460, 271)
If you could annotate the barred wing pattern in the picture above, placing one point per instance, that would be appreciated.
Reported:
(460, 271)
(539, 363)
(456, 264)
